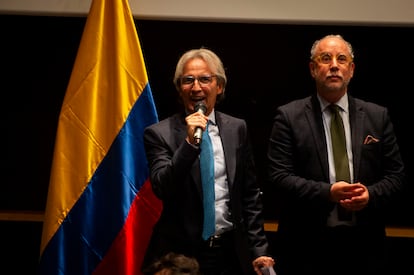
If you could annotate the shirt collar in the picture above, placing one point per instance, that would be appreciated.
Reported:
(342, 102)
(212, 117)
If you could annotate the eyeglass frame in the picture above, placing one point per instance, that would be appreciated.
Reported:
(201, 82)
(318, 59)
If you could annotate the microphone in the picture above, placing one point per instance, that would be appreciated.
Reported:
(198, 133)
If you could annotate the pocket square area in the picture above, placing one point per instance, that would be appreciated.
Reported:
(370, 139)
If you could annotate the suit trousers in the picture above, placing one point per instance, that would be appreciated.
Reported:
(218, 256)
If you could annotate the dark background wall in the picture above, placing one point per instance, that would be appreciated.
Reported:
(267, 65)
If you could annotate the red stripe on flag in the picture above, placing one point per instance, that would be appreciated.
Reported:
(128, 249)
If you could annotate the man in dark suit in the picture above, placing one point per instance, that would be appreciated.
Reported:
(238, 244)
(313, 237)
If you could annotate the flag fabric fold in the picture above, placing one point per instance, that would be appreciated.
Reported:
(100, 207)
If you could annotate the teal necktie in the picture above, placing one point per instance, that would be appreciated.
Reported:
(207, 180)
(340, 155)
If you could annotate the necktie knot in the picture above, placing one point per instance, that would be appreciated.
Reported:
(334, 109)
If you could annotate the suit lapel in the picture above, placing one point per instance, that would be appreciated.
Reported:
(229, 145)
(314, 116)
(180, 129)
(356, 117)
(180, 132)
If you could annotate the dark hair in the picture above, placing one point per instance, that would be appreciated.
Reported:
(174, 264)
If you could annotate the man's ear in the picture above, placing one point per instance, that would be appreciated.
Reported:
(312, 69)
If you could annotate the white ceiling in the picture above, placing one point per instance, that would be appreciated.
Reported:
(355, 12)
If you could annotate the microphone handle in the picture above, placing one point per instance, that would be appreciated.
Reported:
(198, 134)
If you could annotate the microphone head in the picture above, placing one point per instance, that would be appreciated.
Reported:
(200, 107)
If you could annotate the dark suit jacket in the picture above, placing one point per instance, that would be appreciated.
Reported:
(298, 165)
(175, 179)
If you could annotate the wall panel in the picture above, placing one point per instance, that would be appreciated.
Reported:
(267, 65)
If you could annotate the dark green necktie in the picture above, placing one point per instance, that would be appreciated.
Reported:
(339, 153)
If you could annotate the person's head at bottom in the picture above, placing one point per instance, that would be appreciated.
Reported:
(174, 264)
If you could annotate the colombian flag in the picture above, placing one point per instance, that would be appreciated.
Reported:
(100, 207)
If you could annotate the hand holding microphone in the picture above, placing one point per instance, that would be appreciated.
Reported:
(198, 132)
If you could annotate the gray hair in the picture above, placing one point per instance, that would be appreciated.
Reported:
(213, 62)
(316, 44)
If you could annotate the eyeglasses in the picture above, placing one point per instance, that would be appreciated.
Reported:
(327, 58)
(203, 80)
